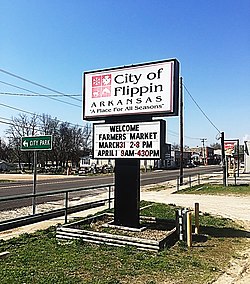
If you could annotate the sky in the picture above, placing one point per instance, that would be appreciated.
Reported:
(52, 42)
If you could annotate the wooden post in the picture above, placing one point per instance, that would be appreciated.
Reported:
(66, 207)
(178, 184)
(197, 225)
(189, 229)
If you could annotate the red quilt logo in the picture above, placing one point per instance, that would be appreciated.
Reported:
(101, 86)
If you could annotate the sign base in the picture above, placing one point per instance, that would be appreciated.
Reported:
(127, 193)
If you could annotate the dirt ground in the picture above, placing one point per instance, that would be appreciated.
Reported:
(17, 177)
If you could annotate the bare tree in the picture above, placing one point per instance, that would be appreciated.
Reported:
(4, 151)
(69, 143)
(175, 146)
(22, 126)
(216, 146)
(49, 126)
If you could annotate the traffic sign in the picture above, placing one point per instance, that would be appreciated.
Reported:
(33, 143)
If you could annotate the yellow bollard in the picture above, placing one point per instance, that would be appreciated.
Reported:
(196, 213)
(189, 229)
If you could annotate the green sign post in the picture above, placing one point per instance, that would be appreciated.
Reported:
(34, 143)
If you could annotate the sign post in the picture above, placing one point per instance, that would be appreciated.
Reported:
(224, 162)
(34, 183)
(128, 98)
(35, 143)
(127, 193)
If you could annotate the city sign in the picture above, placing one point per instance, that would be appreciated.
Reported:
(150, 89)
(33, 143)
(142, 140)
(229, 147)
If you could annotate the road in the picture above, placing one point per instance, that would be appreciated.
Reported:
(26, 187)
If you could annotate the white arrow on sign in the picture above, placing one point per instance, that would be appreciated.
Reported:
(25, 143)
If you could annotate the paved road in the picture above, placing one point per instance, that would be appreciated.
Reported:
(44, 185)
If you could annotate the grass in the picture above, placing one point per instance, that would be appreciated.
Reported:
(38, 258)
(239, 190)
(4, 180)
(156, 187)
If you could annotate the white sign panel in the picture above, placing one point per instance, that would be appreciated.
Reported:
(150, 88)
(129, 140)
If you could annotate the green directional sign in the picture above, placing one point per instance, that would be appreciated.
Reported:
(33, 143)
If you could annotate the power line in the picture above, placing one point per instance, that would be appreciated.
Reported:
(8, 84)
(193, 138)
(33, 95)
(38, 129)
(4, 122)
(13, 124)
(36, 84)
(32, 113)
(201, 109)
(17, 109)
(173, 133)
(5, 118)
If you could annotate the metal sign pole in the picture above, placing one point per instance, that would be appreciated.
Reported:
(34, 183)
(35, 143)
(238, 157)
(223, 159)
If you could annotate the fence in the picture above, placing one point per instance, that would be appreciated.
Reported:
(197, 179)
(64, 196)
(64, 211)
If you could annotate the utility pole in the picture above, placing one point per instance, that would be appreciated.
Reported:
(203, 149)
(181, 132)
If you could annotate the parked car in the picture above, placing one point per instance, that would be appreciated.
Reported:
(107, 168)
